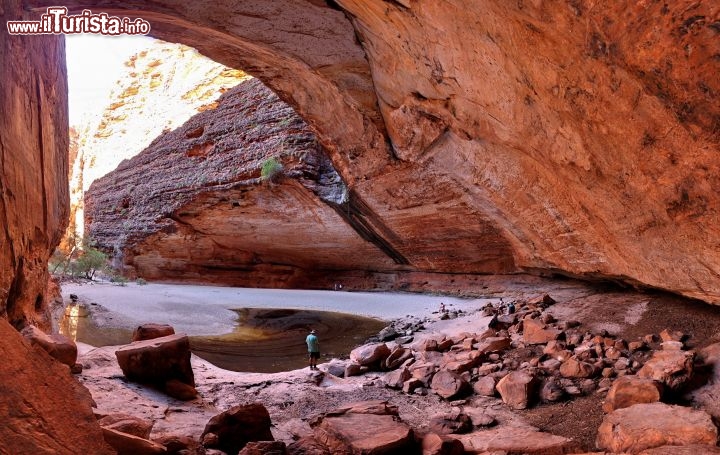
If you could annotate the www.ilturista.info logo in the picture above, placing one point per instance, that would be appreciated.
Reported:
(57, 21)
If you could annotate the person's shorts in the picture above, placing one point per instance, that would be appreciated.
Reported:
(314, 355)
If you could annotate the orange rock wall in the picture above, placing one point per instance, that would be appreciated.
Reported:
(34, 166)
(562, 136)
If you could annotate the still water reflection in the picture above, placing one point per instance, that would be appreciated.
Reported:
(264, 340)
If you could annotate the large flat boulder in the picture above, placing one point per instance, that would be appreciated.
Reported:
(515, 440)
(645, 426)
(352, 433)
(127, 424)
(157, 361)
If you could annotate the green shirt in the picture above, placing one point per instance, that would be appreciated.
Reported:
(312, 343)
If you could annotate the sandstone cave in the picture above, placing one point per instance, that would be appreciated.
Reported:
(499, 149)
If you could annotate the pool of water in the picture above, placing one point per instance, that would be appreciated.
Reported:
(264, 340)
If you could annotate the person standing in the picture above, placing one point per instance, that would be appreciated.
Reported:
(313, 349)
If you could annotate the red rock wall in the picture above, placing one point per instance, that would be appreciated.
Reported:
(501, 136)
(33, 159)
(43, 409)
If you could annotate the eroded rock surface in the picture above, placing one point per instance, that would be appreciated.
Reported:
(207, 215)
(54, 418)
(568, 159)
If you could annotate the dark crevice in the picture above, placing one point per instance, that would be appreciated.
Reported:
(363, 220)
(41, 148)
(16, 287)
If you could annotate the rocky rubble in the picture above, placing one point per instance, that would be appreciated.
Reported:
(529, 358)
(473, 371)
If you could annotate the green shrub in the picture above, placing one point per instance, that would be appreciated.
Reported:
(271, 169)
(90, 261)
(119, 280)
(141, 282)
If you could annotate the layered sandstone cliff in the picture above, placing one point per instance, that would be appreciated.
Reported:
(194, 206)
(164, 84)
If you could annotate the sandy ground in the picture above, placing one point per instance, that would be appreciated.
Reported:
(293, 397)
(181, 305)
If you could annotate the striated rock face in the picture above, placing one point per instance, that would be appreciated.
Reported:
(33, 168)
(534, 135)
(205, 214)
(164, 81)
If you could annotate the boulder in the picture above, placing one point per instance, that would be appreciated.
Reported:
(672, 368)
(388, 334)
(433, 444)
(127, 424)
(574, 368)
(423, 371)
(515, 440)
(460, 362)
(492, 344)
(551, 391)
(59, 347)
(629, 390)
(264, 448)
(517, 389)
(157, 361)
(542, 301)
(180, 390)
(127, 444)
(645, 426)
(229, 431)
(429, 345)
(396, 379)
(335, 367)
(535, 332)
(397, 357)
(353, 433)
(369, 354)
(485, 386)
(553, 347)
(479, 417)
(449, 385)
(449, 423)
(445, 344)
(151, 331)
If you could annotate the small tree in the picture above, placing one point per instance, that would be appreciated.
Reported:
(90, 262)
(271, 169)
